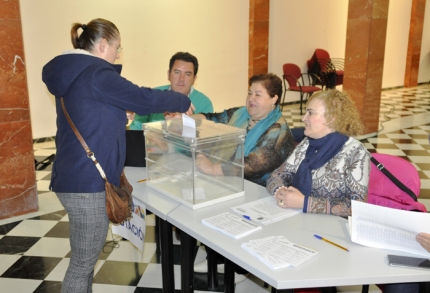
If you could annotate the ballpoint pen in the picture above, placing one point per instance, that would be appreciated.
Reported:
(328, 241)
(247, 217)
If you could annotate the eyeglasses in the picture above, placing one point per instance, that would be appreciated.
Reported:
(119, 49)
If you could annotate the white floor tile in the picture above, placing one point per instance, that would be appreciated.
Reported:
(408, 146)
(394, 152)
(420, 159)
(6, 261)
(42, 174)
(128, 252)
(357, 289)
(252, 284)
(414, 131)
(36, 228)
(398, 135)
(58, 273)
(152, 277)
(43, 185)
(44, 152)
(150, 220)
(44, 145)
(19, 285)
(98, 266)
(103, 288)
(425, 202)
(425, 183)
(380, 140)
(368, 146)
(48, 246)
(421, 141)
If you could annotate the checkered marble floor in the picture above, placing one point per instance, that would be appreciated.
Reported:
(35, 250)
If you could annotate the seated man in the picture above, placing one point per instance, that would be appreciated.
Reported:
(182, 73)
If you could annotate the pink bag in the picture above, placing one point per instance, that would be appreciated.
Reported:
(384, 192)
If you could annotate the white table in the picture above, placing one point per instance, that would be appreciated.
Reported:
(160, 205)
(332, 266)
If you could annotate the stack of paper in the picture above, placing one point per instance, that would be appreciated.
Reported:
(265, 210)
(387, 228)
(277, 252)
(232, 225)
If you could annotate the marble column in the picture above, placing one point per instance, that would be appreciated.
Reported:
(18, 191)
(364, 57)
(258, 37)
(414, 42)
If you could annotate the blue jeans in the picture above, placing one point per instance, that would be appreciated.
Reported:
(89, 225)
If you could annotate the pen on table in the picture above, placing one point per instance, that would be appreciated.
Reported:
(143, 180)
(247, 217)
(328, 241)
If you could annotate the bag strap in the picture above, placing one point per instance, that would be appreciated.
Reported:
(393, 178)
(90, 154)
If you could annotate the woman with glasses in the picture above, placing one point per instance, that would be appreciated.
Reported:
(96, 98)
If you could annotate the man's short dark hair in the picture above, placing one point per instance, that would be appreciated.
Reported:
(187, 57)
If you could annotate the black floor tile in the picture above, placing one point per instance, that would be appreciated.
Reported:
(403, 140)
(120, 273)
(32, 267)
(416, 152)
(60, 230)
(55, 216)
(150, 235)
(6, 228)
(16, 244)
(151, 290)
(384, 146)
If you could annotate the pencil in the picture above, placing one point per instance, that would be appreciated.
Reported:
(328, 241)
(143, 180)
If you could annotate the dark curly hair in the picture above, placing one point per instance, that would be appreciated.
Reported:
(271, 82)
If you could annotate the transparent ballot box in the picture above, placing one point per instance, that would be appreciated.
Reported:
(196, 166)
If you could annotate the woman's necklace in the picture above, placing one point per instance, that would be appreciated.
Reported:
(252, 122)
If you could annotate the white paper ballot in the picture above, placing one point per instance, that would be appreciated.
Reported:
(189, 126)
(231, 225)
(387, 228)
(265, 210)
(188, 121)
(278, 252)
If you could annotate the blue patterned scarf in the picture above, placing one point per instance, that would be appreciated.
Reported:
(319, 152)
(241, 118)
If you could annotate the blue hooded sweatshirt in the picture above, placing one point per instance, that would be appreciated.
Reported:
(96, 98)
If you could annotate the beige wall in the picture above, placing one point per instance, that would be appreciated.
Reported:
(297, 27)
(216, 31)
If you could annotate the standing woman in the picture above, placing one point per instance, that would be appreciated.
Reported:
(96, 98)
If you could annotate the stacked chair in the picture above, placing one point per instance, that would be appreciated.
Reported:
(329, 70)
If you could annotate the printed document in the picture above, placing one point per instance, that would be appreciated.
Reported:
(265, 210)
(232, 225)
(387, 228)
(277, 252)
